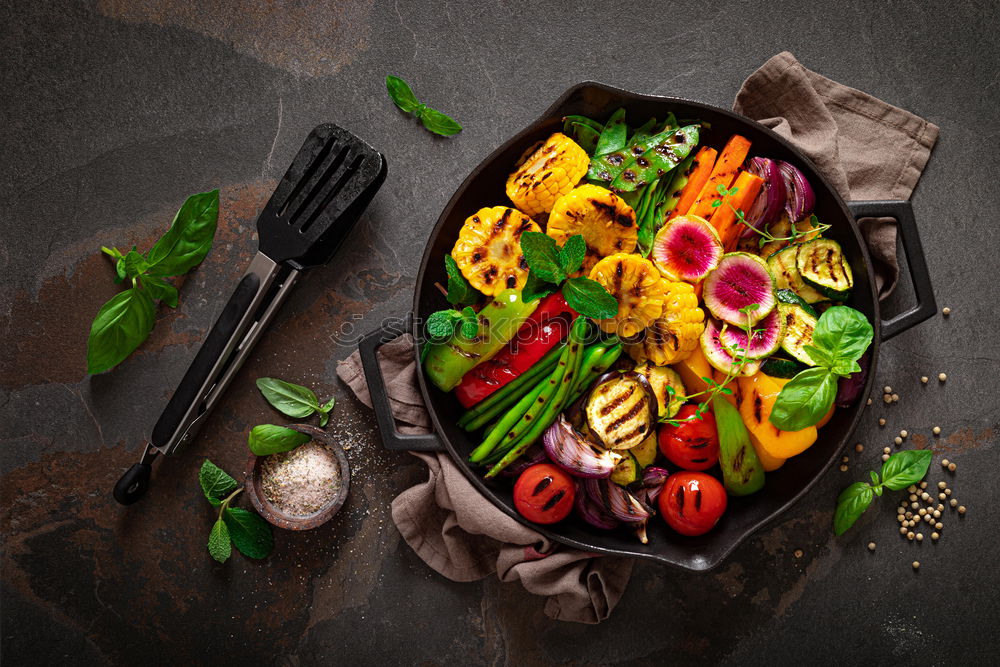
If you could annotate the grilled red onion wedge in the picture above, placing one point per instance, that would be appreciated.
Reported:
(572, 452)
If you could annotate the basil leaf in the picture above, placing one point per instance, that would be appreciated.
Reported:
(215, 483)
(614, 135)
(249, 532)
(820, 356)
(189, 238)
(536, 288)
(270, 439)
(459, 289)
(289, 399)
(160, 290)
(588, 297)
(120, 326)
(804, 400)
(570, 256)
(843, 332)
(542, 256)
(438, 123)
(401, 93)
(441, 324)
(845, 368)
(905, 468)
(851, 504)
(220, 547)
(133, 264)
(324, 412)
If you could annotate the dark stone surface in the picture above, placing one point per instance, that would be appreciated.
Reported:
(115, 111)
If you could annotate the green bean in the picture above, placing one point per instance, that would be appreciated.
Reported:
(527, 402)
(508, 395)
(545, 412)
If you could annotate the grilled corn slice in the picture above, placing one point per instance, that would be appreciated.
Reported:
(636, 285)
(606, 222)
(488, 250)
(673, 335)
(544, 175)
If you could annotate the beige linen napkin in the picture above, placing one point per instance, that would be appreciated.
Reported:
(867, 148)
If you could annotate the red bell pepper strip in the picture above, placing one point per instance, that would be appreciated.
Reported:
(548, 325)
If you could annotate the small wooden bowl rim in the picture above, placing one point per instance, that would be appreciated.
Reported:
(288, 522)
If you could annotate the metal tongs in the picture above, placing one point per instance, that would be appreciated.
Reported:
(328, 186)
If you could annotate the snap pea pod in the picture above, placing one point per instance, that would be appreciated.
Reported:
(586, 136)
(581, 120)
(509, 394)
(591, 358)
(668, 149)
(613, 135)
(672, 194)
(527, 402)
(609, 166)
(542, 413)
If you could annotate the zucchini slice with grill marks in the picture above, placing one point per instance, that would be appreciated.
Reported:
(822, 266)
(780, 367)
(788, 296)
(786, 274)
(799, 327)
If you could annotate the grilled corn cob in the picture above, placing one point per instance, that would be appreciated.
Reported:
(673, 335)
(545, 174)
(636, 285)
(606, 222)
(488, 250)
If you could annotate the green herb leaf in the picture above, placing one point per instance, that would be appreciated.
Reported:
(120, 326)
(845, 368)
(843, 332)
(536, 288)
(189, 238)
(215, 483)
(804, 400)
(820, 356)
(219, 545)
(874, 477)
(250, 533)
(160, 290)
(572, 253)
(470, 323)
(542, 256)
(588, 297)
(324, 412)
(440, 325)
(460, 292)
(289, 399)
(270, 439)
(439, 123)
(851, 504)
(905, 468)
(401, 93)
(133, 264)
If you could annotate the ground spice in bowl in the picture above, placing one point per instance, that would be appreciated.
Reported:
(303, 481)
(303, 488)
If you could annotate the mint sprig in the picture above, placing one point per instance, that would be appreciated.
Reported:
(251, 534)
(549, 267)
(898, 472)
(432, 119)
(443, 324)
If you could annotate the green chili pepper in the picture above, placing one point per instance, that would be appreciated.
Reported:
(445, 363)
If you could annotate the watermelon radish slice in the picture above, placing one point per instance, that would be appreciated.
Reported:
(716, 352)
(686, 248)
(766, 338)
(740, 280)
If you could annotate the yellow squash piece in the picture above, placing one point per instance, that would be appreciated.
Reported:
(606, 222)
(767, 461)
(661, 377)
(488, 250)
(645, 452)
(547, 173)
(673, 335)
(693, 369)
(757, 396)
(637, 286)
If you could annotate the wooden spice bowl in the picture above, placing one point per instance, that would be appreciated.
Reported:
(277, 518)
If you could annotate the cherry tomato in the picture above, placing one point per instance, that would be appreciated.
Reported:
(544, 493)
(691, 445)
(692, 502)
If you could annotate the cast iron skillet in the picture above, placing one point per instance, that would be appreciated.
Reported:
(485, 187)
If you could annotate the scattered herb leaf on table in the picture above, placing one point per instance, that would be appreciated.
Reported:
(432, 119)
(251, 534)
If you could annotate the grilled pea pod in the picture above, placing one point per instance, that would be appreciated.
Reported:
(664, 152)
(545, 408)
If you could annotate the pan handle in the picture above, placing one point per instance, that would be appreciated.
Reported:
(926, 306)
(391, 438)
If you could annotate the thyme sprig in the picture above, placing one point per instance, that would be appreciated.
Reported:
(765, 234)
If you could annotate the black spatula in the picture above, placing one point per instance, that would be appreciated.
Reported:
(324, 192)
